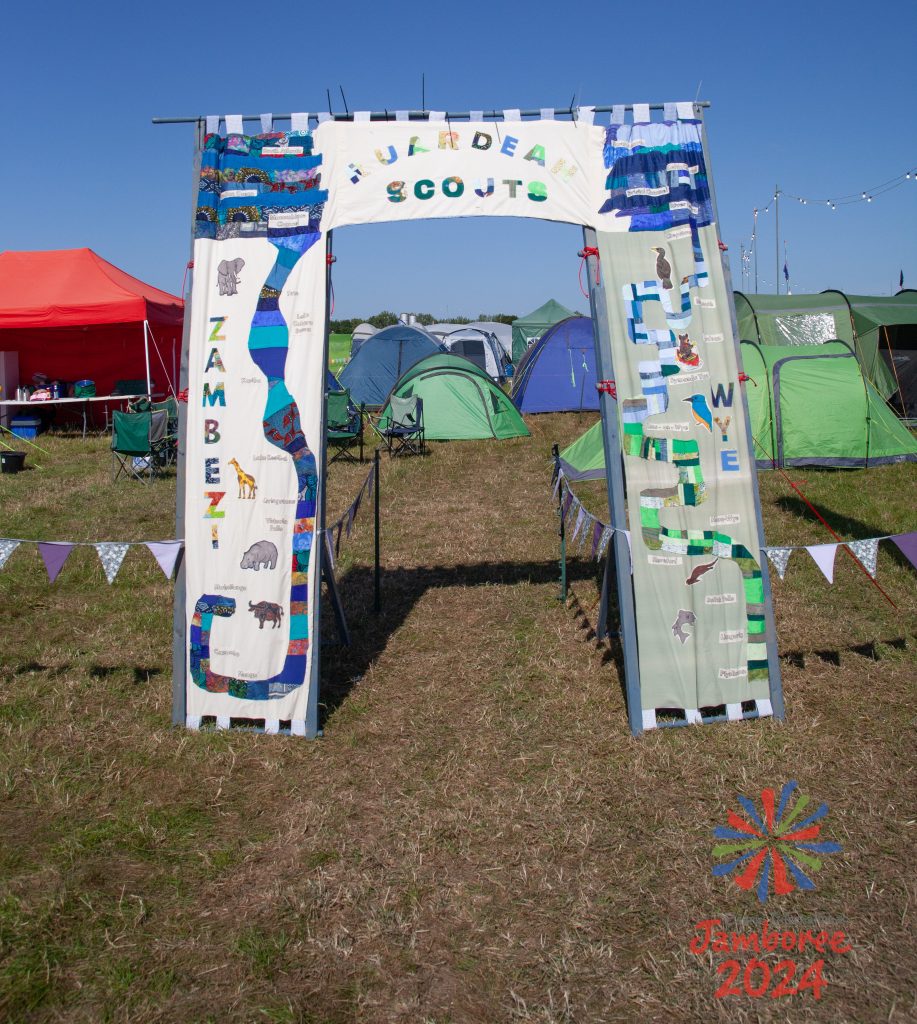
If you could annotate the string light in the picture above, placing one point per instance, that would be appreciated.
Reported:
(865, 196)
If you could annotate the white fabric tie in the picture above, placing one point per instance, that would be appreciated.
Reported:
(234, 124)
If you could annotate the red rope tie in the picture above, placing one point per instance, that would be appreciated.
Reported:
(329, 259)
(723, 246)
(607, 387)
(584, 254)
(182, 396)
(744, 378)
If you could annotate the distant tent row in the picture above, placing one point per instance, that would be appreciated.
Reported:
(881, 330)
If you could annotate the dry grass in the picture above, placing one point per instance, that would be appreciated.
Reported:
(476, 837)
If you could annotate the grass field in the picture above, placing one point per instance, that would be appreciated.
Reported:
(476, 838)
(338, 352)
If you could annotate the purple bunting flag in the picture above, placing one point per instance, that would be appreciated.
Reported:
(54, 554)
(597, 530)
(907, 545)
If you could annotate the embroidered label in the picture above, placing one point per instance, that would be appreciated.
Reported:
(665, 560)
(672, 428)
(675, 234)
(713, 339)
(732, 636)
(288, 220)
(282, 151)
(726, 519)
(733, 673)
(688, 378)
(704, 303)
(720, 599)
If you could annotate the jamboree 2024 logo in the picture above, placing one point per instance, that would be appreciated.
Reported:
(772, 850)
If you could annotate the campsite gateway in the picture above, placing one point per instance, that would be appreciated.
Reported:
(433, 588)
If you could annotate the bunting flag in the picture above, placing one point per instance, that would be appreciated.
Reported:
(607, 534)
(779, 558)
(565, 508)
(7, 547)
(867, 553)
(580, 523)
(586, 530)
(907, 545)
(598, 530)
(166, 554)
(823, 556)
(54, 553)
(111, 555)
(558, 480)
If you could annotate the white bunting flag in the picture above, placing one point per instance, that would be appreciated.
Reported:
(267, 123)
(7, 547)
(779, 558)
(166, 553)
(111, 555)
(867, 553)
(580, 522)
(823, 556)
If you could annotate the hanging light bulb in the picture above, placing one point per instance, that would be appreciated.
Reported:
(864, 195)
(869, 199)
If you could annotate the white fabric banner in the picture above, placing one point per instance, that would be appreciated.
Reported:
(385, 171)
(255, 381)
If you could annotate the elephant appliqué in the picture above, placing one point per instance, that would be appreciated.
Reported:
(228, 276)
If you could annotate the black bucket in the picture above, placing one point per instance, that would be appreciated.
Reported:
(11, 462)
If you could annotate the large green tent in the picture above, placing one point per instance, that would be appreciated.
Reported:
(528, 329)
(881, 330)
(808, 405)
(460, 401)
(811, 405)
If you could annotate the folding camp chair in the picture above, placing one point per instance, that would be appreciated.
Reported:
(167, 448)
(345, 425)
(403, 433)
(137, 444)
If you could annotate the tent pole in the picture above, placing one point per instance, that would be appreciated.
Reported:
(179, 611)
(891, 359)
(318, 549)
(422, 115)
(614, 482)
(775, 682)
(146, 356)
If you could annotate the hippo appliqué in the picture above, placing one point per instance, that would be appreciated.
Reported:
(265, 611)
(261, 554)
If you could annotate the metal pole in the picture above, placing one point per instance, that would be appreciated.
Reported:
(756, 252)
(179, 608)
(614, 480)
(561, 530)
(377, 573)
(777, 234)
(318, 550)
(423, 115)
(770, 635)
(146, 355)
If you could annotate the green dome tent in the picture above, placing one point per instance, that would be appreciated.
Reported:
(460, 402)
(528, 329)
(813, 406)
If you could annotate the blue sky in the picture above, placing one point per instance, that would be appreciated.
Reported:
(817, 98)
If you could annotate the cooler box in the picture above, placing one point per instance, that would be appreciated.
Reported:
(26, 426)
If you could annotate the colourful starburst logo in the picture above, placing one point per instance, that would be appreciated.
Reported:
(775, 846)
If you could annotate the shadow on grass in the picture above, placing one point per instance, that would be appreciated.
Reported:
(401, 588)
(843, 525)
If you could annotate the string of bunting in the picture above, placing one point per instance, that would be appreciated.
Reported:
(587, 529)
(866, 552)
(54, 553)
(345, 523)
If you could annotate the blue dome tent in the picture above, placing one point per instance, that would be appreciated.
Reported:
(382, 359)
(557, 373)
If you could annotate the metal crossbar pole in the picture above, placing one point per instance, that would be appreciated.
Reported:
(422, 115)
(377, 576)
